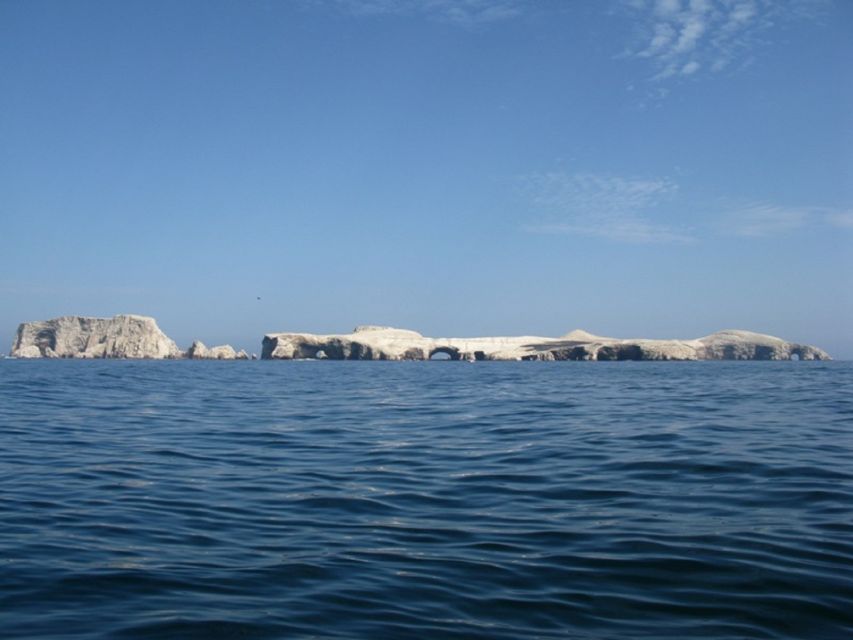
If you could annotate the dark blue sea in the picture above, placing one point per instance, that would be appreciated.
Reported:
(426, 500)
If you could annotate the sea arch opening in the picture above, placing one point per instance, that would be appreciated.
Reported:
(444, 353)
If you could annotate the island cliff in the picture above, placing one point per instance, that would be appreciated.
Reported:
(388, 343)
(123, 336)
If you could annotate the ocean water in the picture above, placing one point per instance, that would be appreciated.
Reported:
(426, 500)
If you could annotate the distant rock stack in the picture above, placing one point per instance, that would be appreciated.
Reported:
(123, 336)
(198, 351)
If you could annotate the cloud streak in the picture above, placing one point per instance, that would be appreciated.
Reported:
(460, 12)
(608, 207)
(627, 210)
(762, 219)
(683, 37)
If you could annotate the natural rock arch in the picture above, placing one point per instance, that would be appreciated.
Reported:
(452, 352)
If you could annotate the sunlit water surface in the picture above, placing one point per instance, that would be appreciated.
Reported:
(426, 500)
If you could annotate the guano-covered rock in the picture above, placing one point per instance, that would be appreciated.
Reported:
(123, 336)
(387, 343)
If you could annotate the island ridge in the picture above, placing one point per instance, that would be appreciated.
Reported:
(133, 336)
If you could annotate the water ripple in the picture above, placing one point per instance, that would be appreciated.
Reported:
(410, 500)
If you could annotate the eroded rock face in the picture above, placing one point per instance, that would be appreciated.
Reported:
(29, 351)
(745, 345)
(386, 343)
(199, 351)
(123, 336)
(365, 343)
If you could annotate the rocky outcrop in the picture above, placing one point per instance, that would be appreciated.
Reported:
(124, 336)
(387, 343)
(199, 351)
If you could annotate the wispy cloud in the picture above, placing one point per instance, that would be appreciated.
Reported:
(843, 219)
(461, 12)
(628, 210)
(610, 207)
(758, 220)
(683, 37)
(765, 219)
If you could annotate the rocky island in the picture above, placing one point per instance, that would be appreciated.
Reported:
(123, 336)
(388, 343)
(132, 336)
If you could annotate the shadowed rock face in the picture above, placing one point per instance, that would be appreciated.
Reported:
(123, 336)
(386, 343)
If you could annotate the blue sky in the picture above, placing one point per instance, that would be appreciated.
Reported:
(635, 168)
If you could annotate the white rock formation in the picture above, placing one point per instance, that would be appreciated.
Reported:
(124, 336)
(199, 351)
(222, 352)
(29, 351)
(387, 343)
